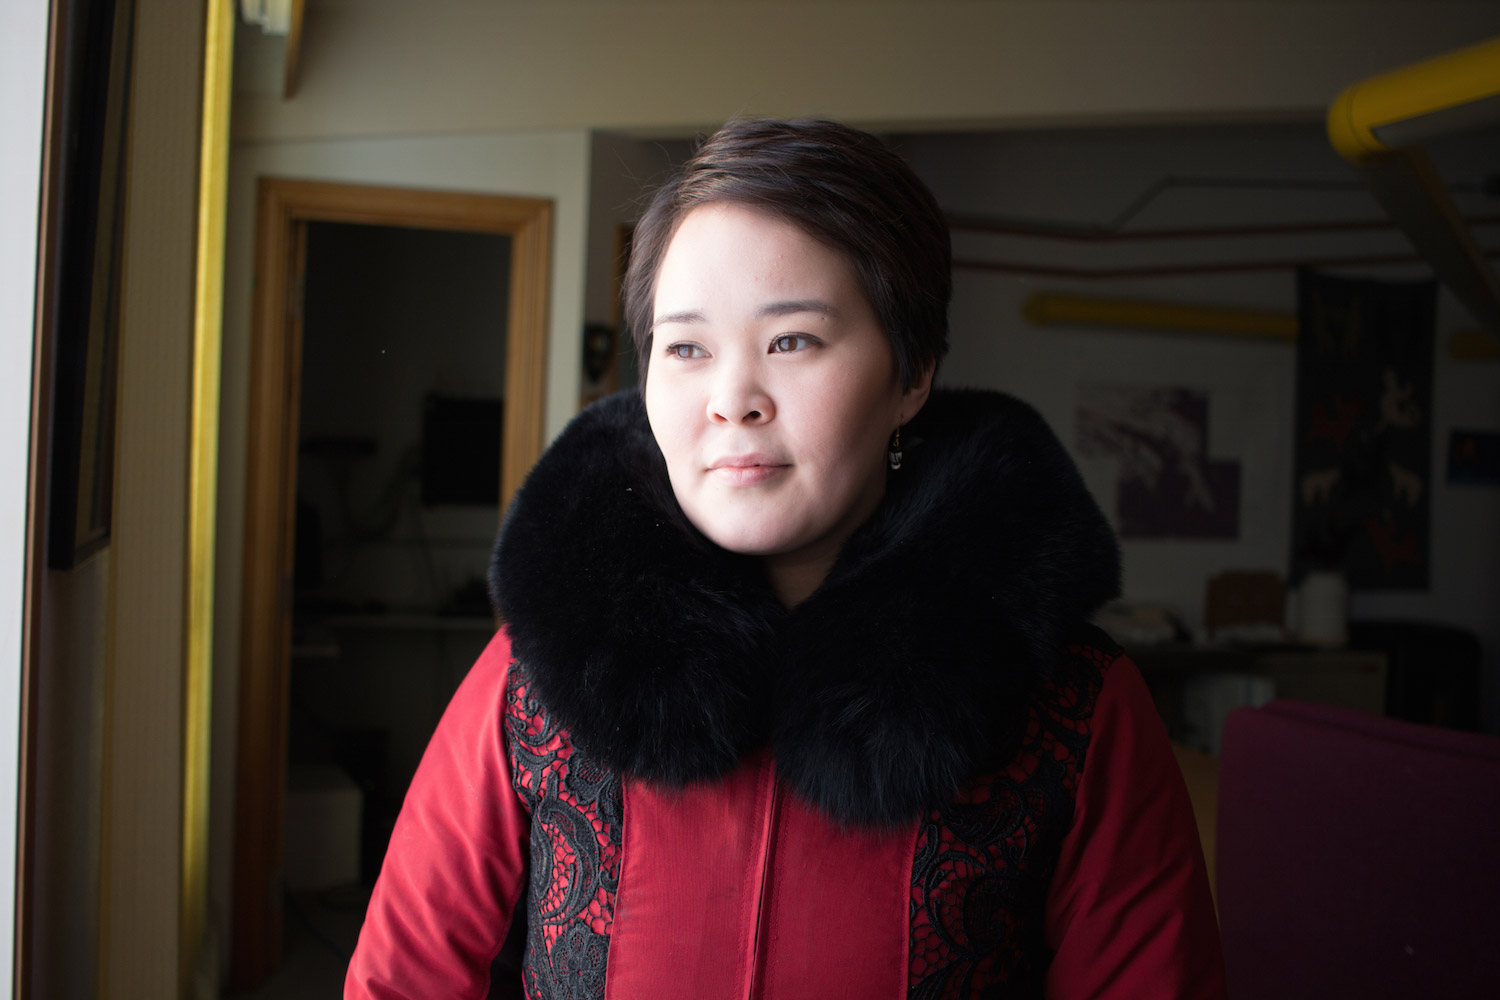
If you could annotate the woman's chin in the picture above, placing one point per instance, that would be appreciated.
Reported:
(748, 543)
(755, 539)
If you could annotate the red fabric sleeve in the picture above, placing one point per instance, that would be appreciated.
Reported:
(456, 865)
(1129, 912)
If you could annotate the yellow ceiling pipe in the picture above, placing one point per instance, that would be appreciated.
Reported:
(1408, 106)
(1379, 124)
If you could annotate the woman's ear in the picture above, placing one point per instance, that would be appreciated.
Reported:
(913, 399)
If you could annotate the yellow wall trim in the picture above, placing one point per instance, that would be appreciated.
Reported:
(197, 707)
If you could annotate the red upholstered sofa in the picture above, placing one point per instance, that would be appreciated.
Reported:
(1358, 856)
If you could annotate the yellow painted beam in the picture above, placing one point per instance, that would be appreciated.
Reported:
(1045, 310)
(1042, 309)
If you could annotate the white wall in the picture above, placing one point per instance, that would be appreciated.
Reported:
(23, 64)
(1089, 177)
(650, 65)
(540, 164)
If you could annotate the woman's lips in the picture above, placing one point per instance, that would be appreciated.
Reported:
(746, 470)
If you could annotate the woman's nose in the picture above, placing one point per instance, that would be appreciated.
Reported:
(739, 398)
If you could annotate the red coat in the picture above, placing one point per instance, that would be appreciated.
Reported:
(829, 811)
(738, 889)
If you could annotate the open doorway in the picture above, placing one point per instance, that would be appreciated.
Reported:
(396, 405)
(398, 492)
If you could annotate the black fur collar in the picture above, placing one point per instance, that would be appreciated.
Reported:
(908, 670)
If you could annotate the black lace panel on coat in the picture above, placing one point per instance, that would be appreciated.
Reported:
(575, 807)
(985, 860)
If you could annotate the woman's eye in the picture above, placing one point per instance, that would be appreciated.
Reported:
(788, 342)
(686, 352)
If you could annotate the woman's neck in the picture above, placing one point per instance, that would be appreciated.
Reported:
(794, 577)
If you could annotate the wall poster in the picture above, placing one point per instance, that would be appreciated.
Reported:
(1167, 486)
(1362, 488)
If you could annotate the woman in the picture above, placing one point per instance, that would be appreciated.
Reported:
(796, 696)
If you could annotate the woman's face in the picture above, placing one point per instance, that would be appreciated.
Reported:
(771, 388)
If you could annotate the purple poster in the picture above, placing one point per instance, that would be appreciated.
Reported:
(1167, 487)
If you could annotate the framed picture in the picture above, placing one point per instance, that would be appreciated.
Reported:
(1473, 458)
(89, 105)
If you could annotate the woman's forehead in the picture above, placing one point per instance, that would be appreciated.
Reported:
(731, 256)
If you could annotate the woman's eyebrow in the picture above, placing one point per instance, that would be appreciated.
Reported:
(686, 316)
(767, 311)
(774, 309)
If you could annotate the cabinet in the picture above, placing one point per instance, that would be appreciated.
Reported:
(1196, 687)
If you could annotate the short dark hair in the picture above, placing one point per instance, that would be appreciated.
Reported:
(844, 188)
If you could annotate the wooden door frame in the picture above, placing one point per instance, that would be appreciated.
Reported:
(284, 209)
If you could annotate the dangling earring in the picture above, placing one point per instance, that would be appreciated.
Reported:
(894, 455)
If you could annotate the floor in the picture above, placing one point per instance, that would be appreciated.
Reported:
(321, 929)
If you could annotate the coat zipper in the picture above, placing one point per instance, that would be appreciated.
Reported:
(757, 955)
